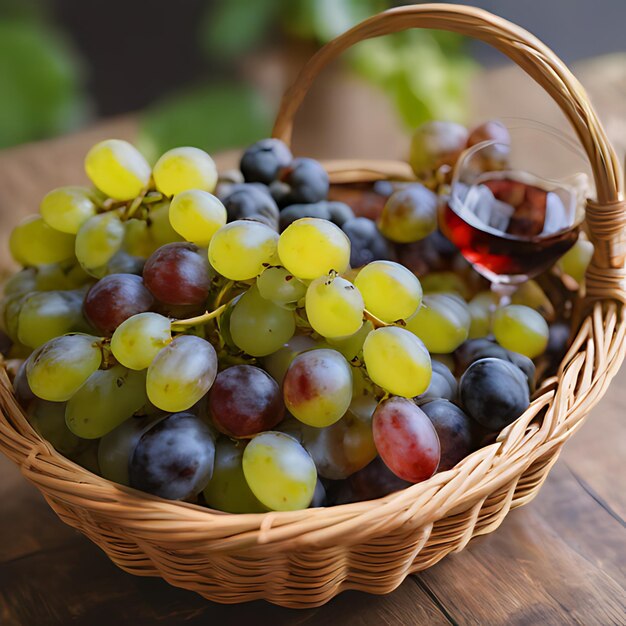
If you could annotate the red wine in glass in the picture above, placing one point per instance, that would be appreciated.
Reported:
(509, 225)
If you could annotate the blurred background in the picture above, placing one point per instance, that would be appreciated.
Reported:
(210, 73)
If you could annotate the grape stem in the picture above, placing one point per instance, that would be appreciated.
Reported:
(378, 323)
(200, 319)
(223, 291)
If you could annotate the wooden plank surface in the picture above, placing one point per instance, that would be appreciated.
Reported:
(559, 560)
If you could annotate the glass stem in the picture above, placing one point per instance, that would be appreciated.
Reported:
(504, 291)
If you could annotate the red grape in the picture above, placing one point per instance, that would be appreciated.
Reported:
(114, 299)
(178, 273)
(406, 439)
(244, 401)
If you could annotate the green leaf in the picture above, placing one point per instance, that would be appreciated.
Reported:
(425, 73)
(40, 84)
(212, 118)
(322, 20)
(234, 27)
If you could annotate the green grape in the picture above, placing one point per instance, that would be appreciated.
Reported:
(49, 314)
(60, 277)
(108, 398)
(318, 387)
(48, 419)
(576, 260)
(364, 400)
(97, 241)
(159, 225)
(116, 448)
(281, 287)
(436, 143)
(11, 307)
(242, 249)
(138, 241)
(311, 247)
(397, 361)
(33, 242)
(442, 323)
(334, 307)
(351, 346)
(56, 370)
(480, 310)
(66, 209)
(197, 215)
(117, 169)
(391, 292)
(445, 282)
(185, 168)
(521, 329)
(137, 340)
(279, 472)
(258, 326)
(228, 490)
(409, 215)
(181, 373)
(277, 363)
(531, 294)
(21, 282)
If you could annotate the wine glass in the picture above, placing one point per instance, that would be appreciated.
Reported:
(509, 223)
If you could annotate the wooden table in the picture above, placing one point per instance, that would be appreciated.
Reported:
(559, 560)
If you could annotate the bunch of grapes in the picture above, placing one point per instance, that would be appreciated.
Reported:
(245, 342)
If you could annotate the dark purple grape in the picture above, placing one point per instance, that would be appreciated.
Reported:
(494, 392)
(337, 212)
(474, 349)
(366, 242)
(178, 273)
(262, 161)
(21, 388)
(373, 481)
(442, 384)
(306, 182)
(456, 431)
(558, 340)
(296, 211)
(251, 201)
(244, 401)
(174, 459)
(114, 299)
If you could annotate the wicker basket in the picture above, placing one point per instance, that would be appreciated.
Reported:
(304, 558)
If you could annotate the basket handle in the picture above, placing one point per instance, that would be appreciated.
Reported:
(606, 217)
